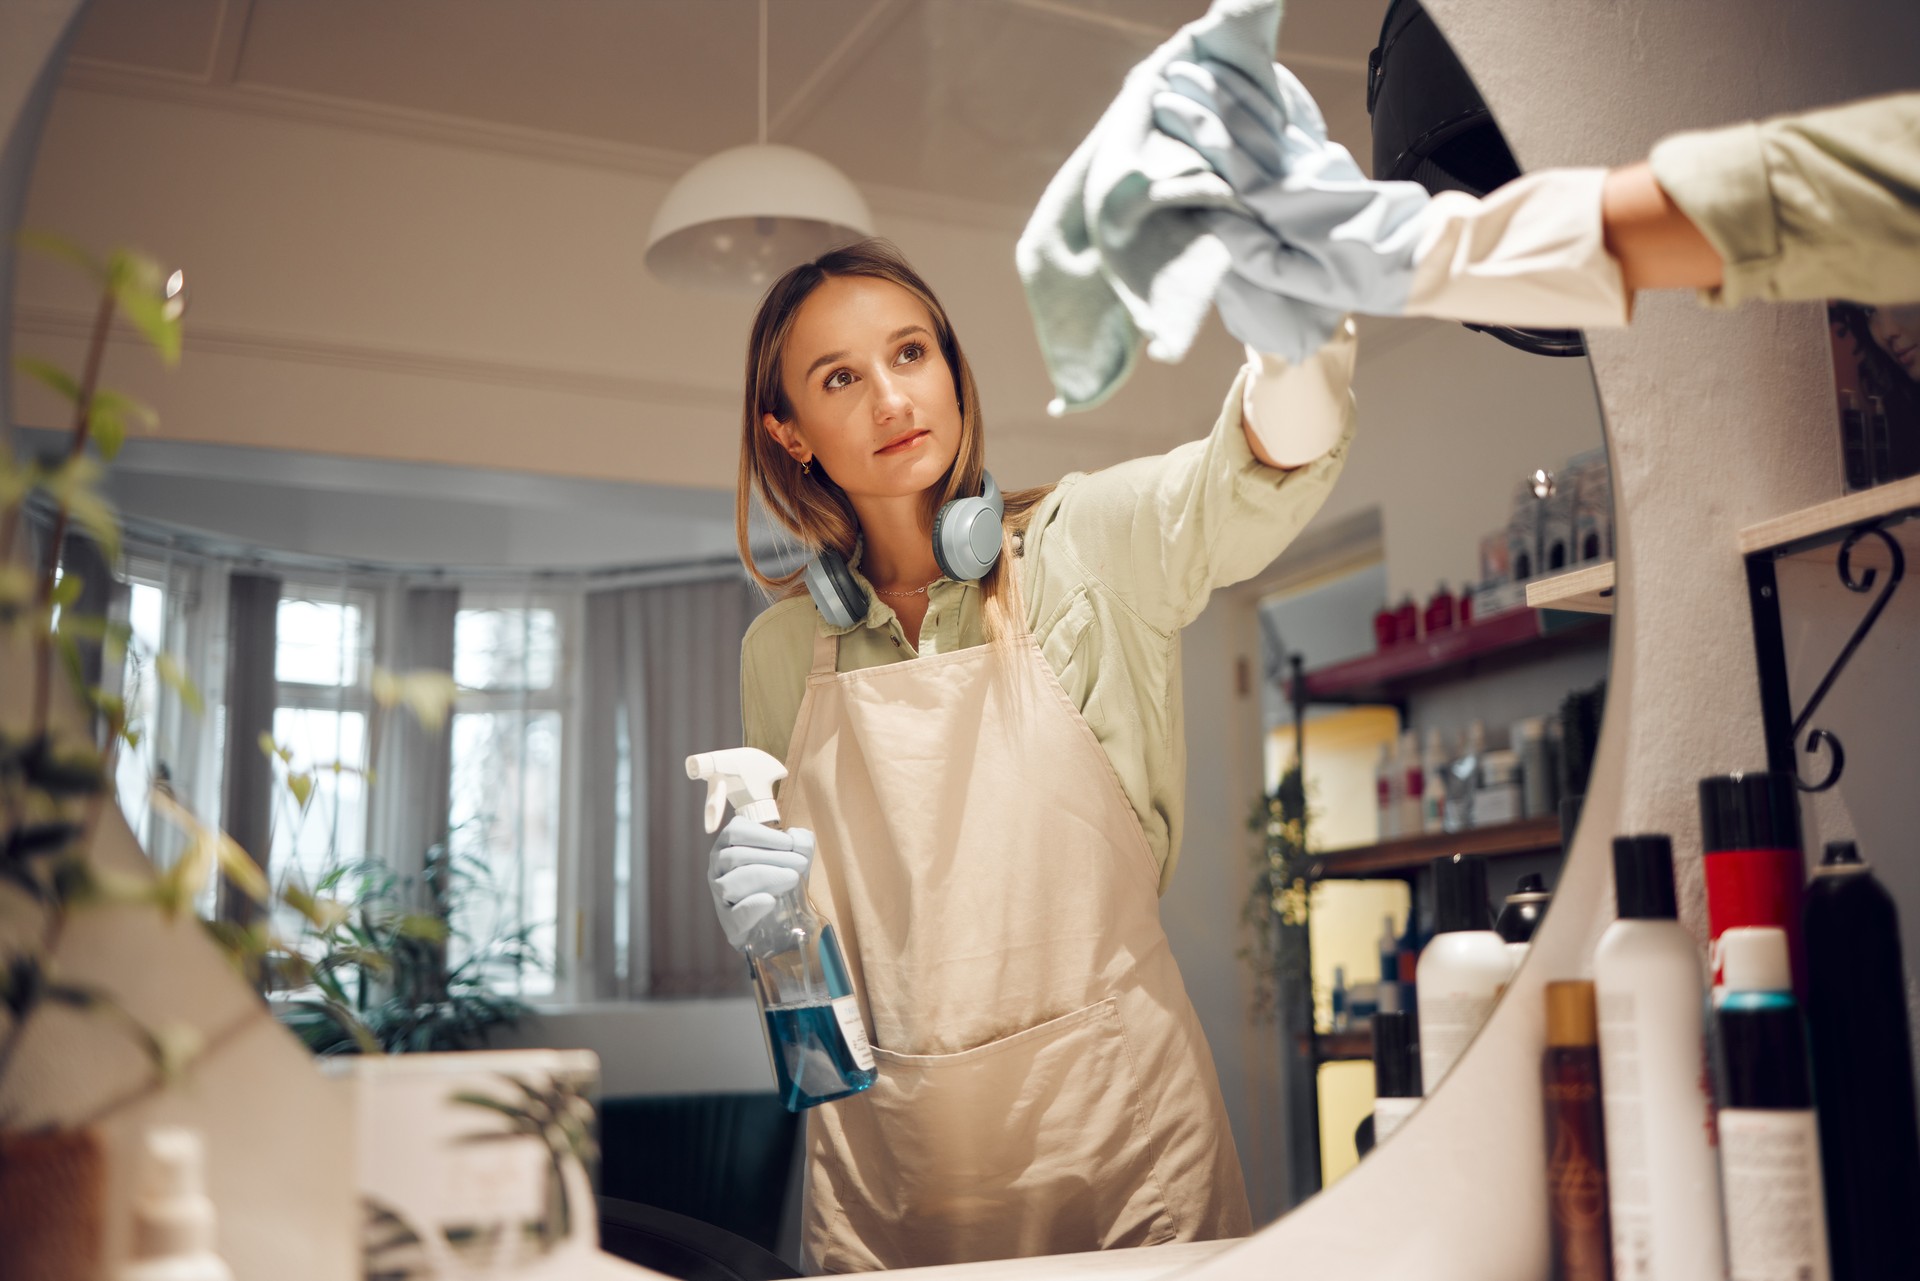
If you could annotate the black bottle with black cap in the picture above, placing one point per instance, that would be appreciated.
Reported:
(1463, 968)
(1862, 1068)
(1396, 1070)
(1756, 874)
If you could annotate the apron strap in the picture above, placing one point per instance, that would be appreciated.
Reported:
(826, 653)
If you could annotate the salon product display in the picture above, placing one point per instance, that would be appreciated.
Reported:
(1663, 1166)
(815, 1034)
(1576, 1146)
(1877, 390)
(1750, 832)
(1463, 968)
(1769, 1137)
(173, 1221)
(1396, 1071)
(1862, 1068)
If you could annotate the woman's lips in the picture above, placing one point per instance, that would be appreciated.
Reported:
(900, 444)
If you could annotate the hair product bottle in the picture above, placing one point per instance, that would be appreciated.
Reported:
(1385, 813)
(1750, 825)
(1521, 915)
(1862, 1069)
(1663, 1163)
(1769, 1139)
(1576, 1146)
(1396, 1071)
(1433, 795)
(1413, 786)
(1463, 969)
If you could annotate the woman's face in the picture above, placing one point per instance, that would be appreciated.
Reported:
(873, 399)
(1896, 330)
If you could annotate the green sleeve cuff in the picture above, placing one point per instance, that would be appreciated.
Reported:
(1718, 178)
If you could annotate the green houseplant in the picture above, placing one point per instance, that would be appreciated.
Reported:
(1274, 914)
(56, 771)
(368, 975)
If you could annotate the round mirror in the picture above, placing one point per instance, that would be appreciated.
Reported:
(429, 561)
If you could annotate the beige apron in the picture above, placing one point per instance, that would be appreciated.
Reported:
(1044, 1085)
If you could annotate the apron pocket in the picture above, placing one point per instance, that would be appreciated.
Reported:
(1033, 1144)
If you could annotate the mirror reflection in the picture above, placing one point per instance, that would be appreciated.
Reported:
(433, 572)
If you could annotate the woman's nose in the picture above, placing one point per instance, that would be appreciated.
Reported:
(889, 398)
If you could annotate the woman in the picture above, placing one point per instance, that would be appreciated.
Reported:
(993, 774)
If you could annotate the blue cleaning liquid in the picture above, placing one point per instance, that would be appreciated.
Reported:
(812, 1058)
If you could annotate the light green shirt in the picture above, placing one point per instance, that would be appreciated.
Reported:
(1114, 564)
(1820, 205)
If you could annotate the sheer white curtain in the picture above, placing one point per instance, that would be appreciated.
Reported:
(662, 677)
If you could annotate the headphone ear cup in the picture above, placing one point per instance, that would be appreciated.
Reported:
(835, 592)
(966, 538)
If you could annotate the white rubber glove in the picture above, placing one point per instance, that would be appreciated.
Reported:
(1316, 233)
(751, 865)
(1299, 411)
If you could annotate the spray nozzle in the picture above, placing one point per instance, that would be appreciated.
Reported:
(743, 775)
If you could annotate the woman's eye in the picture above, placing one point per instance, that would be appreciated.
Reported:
(911, 352)
(837, 379)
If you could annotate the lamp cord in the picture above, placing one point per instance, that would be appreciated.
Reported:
(763, 72)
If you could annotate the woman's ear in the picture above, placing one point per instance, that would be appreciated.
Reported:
(787, 436)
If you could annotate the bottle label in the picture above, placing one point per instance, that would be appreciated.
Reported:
(1448, 1024)
(847, 1010)
(1770, 1178)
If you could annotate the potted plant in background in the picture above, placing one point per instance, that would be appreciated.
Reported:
(56, 772)
(367, 967)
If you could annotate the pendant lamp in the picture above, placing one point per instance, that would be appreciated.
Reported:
(739, 219)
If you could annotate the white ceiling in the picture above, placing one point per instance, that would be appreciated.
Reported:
(974, 100)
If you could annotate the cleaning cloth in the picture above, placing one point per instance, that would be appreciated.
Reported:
(1120, 247)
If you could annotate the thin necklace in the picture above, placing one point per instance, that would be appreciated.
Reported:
(918, 591)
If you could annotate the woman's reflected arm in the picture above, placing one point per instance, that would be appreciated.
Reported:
(1651, 237)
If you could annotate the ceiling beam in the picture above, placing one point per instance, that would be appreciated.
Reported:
(865, 33)
(1154, 34)
(229, 39)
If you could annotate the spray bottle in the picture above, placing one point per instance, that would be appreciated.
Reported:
(815, 1035)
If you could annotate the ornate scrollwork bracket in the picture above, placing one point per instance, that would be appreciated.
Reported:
(1821, 740)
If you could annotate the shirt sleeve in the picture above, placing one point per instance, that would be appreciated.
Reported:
(1820, 205)
(1162, 533)
(774, 657)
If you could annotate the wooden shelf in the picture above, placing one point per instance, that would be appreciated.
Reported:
(1350, 1046)
(1828, 522)
(1584, 591)
(1412, 853)
(1386, 675)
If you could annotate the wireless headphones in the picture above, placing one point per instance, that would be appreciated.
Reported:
(966, 543)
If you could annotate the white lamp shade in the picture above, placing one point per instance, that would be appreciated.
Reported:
(738, 219)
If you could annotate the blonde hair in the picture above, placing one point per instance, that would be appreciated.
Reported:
(813, 508)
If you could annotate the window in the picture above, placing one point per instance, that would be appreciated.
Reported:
(505, 812)
(323, 665)
(140, 766)
(176, 609)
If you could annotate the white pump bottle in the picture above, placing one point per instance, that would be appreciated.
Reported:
(173, 1221)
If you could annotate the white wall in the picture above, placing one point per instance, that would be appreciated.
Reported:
(368, 294)
(1451, 421)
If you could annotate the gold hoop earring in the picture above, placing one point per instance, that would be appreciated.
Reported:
(806, 468)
